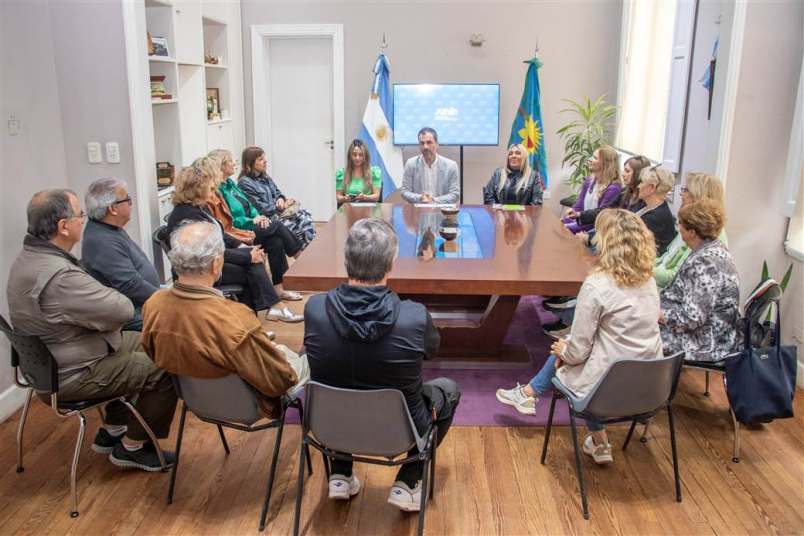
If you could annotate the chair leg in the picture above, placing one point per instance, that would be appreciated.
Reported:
(706, 383)
(101, 415)
(630, 433)
(21, 428)
(549, 427)
(277, 445)
(327, 469)
(644, 437)
(425, 488)
(675, 451)
(433, 466)
(578, 467)
(299, 490)
(148, 430)
(300, 408)
(74, 468)
(735, 455)
(223, 439)
(309, 460)
(178, 453)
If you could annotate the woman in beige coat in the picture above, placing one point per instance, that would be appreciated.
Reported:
(616, 318)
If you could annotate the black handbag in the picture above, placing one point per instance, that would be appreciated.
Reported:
(761, 381)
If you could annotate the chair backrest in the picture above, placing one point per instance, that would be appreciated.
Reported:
(223, 399)
(161, 239)
(369, 423)
(635, 386)
(33, 359)
(762, 300)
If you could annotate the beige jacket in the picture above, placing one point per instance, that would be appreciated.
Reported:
(51, 296)
(611, 323)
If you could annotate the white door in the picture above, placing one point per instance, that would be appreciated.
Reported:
(300, 146)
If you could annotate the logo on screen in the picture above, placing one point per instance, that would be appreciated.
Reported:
(446, 114)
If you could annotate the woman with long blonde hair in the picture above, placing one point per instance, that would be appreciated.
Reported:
(601, 189)
(516, 183)
(359, 181)
(616, 317)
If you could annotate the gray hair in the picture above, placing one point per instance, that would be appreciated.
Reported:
(100, 196)
(46, 208)
(194, 245)
(370, 250)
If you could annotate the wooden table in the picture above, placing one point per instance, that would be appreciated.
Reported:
(472, 293)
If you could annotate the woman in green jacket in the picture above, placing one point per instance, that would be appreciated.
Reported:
(245, 216)
(360, 181)
(699, 186)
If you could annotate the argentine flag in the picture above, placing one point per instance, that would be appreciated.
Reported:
(378, 132)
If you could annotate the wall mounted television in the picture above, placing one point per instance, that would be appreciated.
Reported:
(462, 114)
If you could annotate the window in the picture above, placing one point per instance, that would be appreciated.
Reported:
(794, 178)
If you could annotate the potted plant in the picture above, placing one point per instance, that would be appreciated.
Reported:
(589, 129)
(769, 325)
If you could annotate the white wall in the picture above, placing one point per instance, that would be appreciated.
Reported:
(769, 73)
(35, 158)
(428, 41)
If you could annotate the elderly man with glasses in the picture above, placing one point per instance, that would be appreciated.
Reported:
(109, 254)
(52, 297)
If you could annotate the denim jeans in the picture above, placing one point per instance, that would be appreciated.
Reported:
(542, 382)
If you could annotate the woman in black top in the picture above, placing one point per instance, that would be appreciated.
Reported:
(516, 183)
(656, 183)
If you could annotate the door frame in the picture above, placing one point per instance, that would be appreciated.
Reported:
(260, 79)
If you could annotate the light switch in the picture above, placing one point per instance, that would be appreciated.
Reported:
(112, 152)
(94, 153)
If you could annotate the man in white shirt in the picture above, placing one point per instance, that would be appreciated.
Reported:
(430, 177)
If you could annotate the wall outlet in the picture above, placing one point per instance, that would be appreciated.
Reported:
(94, 153)
(546, 194)
(112, 152)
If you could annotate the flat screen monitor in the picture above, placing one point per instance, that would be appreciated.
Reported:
(462, 114)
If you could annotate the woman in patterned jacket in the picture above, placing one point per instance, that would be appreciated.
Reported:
(700, 307)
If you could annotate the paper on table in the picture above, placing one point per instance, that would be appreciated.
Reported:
(435, 205)
(363, 204)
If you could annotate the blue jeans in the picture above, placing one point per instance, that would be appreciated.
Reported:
(542, 382)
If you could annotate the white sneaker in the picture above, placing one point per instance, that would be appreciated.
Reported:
(516, 397)
(601, 454)
(343, 488)
(404, 498)
(283, 315)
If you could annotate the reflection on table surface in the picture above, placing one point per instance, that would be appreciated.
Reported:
(428, 242)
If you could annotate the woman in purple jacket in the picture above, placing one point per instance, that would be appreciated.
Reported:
(599, 190)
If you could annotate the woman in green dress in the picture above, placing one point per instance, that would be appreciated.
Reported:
(360, 181)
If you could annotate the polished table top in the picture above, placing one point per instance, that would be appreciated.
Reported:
(504, 252)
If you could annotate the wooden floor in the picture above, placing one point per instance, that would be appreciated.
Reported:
(489, 481)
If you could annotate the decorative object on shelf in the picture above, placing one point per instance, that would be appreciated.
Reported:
(213, 104)
(165, 172)
(159, 46)
(158, 90)
(151, 50)
(209, 59)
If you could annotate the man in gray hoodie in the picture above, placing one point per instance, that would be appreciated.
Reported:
(52, 297)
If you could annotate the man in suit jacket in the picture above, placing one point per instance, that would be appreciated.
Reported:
(430, 177)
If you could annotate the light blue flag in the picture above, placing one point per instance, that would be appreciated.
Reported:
(528, 128)
(377, 131)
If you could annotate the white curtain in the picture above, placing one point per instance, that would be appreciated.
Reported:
(646, 76)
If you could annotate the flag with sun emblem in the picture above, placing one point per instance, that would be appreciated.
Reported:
(377, 129)
(528, 128)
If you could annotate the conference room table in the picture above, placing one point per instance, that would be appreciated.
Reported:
(470, 285)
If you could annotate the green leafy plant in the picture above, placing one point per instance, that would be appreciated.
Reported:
(589, 129)
(782, 284)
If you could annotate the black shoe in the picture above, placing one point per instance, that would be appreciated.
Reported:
(556, 330)
(104, 441)
(560, 302)
(145, 458)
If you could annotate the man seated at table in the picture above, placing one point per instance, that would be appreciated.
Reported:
(192, 330)
(430, 177)
(360, 335)
(52, 297)
(109, 254)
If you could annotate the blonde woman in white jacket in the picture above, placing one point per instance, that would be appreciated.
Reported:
(616, 318)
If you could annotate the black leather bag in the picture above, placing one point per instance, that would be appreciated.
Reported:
(761, 381)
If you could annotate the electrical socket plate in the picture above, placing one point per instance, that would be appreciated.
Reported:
(112, 152)
(94, 152)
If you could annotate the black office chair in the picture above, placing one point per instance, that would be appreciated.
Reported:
(229, 402)
(40, 371)
(232, 291)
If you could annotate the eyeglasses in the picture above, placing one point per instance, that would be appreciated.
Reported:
(80, 216)
(126, 200)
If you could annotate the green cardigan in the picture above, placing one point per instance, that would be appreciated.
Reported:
(667, 265)
(357, 185)
(234, 197)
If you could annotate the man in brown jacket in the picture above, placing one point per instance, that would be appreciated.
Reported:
(51, 296)
(192, 330)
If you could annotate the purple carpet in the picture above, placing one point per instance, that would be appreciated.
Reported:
(479, 406)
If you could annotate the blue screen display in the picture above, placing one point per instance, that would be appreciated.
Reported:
(462, 114)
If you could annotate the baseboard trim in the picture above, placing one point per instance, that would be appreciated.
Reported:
(10, 401)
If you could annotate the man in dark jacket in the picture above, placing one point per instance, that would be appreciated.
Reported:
(362, 336)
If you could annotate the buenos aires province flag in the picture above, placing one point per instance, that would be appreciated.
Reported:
(377, 130)
(528, 128)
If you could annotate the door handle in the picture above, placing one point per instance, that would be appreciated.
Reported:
(331, 144)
